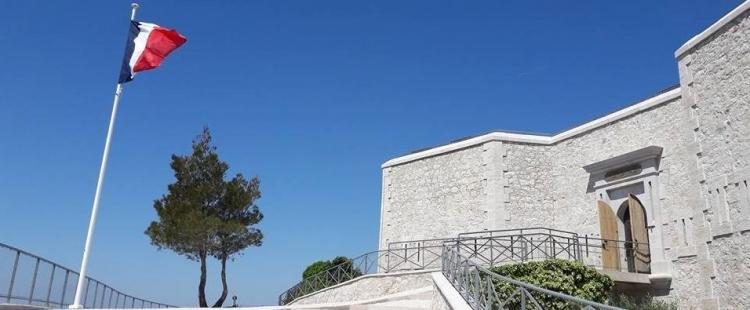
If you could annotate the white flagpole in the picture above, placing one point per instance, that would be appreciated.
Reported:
(99, 183)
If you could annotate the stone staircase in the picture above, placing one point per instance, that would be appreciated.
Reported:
(419, 300)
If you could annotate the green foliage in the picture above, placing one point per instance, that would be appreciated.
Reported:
(346, 267)
(203, 214)
(564, 276)
(322, 274)
(337, 270)
(315, 268)
(325, 273)
(645, 303)
(237, 212)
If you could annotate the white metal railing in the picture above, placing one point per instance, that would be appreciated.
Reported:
(485, 290)
(26, 278)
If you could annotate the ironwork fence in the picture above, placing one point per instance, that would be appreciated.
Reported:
(390, 260)
(483, 289)
(416, 244)
(491, 248)
(483, 248)
(593, 248)
(37, 281)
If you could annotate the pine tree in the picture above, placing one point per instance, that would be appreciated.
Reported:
(204, 215)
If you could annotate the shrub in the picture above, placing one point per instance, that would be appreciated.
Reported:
(339, 269)
(315, 268)
(645, 303)
(564, 276)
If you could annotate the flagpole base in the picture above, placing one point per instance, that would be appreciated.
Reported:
(75, 307)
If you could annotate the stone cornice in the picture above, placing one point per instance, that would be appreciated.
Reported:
(539, 139)
(713, 29)
(624, 159)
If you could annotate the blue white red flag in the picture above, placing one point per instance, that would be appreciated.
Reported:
(148, 44)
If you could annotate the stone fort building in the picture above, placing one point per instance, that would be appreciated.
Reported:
(668, 174)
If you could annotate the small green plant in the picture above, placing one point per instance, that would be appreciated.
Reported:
(563, 276)
(644, 303)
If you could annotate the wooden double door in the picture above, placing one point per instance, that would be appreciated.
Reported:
(631, 242)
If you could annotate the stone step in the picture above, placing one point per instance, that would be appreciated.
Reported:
(409, 304)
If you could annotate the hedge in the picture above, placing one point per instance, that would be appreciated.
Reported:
(564, 276)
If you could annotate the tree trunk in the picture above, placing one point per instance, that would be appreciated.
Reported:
(224, 291)
(202, 284)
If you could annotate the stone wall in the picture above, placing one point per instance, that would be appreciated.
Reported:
(529, 179)
(369, 287)
(672, 193)
(715, 76)
(545, 185)
(663, 126)
(433, 198)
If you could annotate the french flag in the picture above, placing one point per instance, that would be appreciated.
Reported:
(148, 44)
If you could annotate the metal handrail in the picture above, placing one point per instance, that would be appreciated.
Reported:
(478, 286)
(483, 248)
(60, 283)
(492, 248)
(418, 242)
(382, 261)
(591, 250)
(516, 231)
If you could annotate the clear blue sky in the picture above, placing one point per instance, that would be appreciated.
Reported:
(311, 96)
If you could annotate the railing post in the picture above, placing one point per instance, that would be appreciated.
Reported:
(387, 260)
(49, 286)
(33, 280)
(531, 240)
(13, 275)
(553, 246)
(96, 293)
(64, 289)
(86, 292)
(111, 292)
(365, 271)
(104, 293)
(419, 249)
(572, 242)
(587, 245)
(492, 257)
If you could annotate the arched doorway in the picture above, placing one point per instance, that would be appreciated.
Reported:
(632, 215)
(625, 235)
